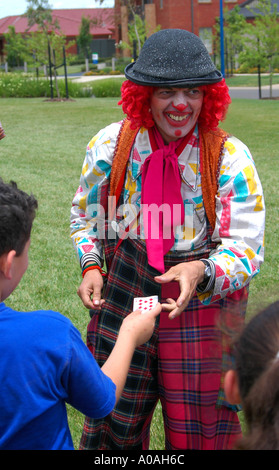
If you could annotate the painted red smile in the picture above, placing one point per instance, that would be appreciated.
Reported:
(177, 119)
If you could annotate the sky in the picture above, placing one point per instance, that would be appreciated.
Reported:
(18, 7)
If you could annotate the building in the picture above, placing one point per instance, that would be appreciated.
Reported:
(110, 25)
(249, 9)
(197, 16)
(102, 29)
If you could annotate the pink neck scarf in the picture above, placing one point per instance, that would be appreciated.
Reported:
(163, 208)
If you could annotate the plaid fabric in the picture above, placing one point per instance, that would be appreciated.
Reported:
(128, 277)
(190, 366)
(181, 364)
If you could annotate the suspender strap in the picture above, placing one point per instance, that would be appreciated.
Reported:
(122, 152)
(211, 148)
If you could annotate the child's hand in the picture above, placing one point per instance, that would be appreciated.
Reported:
(139, 327)
(136, 329)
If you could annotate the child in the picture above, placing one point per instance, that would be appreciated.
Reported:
(255, 380)
(44, 362)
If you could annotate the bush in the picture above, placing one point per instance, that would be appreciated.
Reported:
(26, 86)
(110, 87)
(92, 68)
(75, 90)
(22, 86)
(122, 63)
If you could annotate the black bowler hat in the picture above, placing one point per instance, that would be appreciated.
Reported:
(173, 57)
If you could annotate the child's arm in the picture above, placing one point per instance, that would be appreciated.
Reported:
(135, 330)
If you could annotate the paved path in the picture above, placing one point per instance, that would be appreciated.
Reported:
(90, 78)
(253, 92)
(235, 92)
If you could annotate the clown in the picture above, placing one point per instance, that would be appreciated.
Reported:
(182, 218)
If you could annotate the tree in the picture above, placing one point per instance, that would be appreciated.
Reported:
(234, 29)
(84, 39)
(38, 49)
(137, 27)
(262, 47)
(137, 36)
(234, 35)
(39, 12)
(15, 48)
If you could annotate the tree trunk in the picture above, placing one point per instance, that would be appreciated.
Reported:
(55, 74)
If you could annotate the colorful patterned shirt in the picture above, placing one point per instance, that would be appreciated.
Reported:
(240, 210)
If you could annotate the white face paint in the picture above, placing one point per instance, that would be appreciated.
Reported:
(176, 111)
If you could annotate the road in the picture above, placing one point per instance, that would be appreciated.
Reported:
(253, 92)
(235, 92)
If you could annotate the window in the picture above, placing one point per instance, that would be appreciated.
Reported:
(206, 36)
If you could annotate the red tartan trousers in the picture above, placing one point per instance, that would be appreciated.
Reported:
(181, 365)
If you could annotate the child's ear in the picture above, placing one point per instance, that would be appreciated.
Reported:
(231, 388)
(6, 263)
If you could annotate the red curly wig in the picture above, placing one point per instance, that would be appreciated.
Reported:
(136, 104)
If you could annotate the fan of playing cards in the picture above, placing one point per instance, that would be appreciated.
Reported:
(145, 303)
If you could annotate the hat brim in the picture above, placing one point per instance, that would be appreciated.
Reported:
(141, 79)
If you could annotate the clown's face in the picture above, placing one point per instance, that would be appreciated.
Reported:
(176, 111)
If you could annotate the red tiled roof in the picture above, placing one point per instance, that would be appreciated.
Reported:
(69, 21)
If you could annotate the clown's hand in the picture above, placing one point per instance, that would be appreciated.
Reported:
(188, 275)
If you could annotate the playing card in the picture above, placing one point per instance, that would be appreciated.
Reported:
(145, 303)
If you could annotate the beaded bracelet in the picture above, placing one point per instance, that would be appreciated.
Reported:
(89, 267)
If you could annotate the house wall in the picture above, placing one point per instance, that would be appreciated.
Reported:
(69, 20)
(197, 16)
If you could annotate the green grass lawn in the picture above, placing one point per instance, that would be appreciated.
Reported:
(251, 80)
(236, 80)
(43, 152)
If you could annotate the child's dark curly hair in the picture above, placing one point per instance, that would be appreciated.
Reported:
(136, 104)
(17, 212)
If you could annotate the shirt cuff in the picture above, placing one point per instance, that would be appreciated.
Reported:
(201, 288)
(90, 258)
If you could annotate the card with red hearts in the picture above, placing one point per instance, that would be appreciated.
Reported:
(145, 303)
